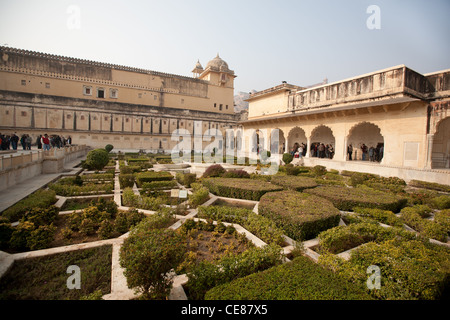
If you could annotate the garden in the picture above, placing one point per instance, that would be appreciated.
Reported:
(303, 233)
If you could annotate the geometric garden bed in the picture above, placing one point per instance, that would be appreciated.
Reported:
(334, 240)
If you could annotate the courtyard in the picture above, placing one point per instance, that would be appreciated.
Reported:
(304, 233)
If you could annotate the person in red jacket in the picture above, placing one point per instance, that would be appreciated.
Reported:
(46, 142)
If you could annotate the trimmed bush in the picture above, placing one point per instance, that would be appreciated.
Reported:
(300, 279)
(39, 199)
(441, 202)
(410, 270)
(147, 256)
(159, 185)
(151, 176)
(126, 180)
(97, 159)
(383, 216)
(443, 219)
(260, 226)
(216, 170)
(109, 148)
(207, 275)
(343, 238)
(427, 228)
(294, 182)
(287, 158)
(429, 185)
(236, 174)
(186, 179)
(302, 216)
(346, 199)
(249, 189)
(199, 195)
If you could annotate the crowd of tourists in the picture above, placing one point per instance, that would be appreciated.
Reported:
(374, 154)
(45, 142)
(317, 149)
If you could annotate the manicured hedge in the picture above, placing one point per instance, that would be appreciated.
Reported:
(346, 199)
(343, 238)
(249, 189)
(159, 185)
(85, 189)
(294, 182)
(186, 179)
(300, 279)
(260, 226)
(151, 176)
(39, 199)
(207, 275)
(383, 216)
(410, 269)
(302, 216)
(427, 228)
(443, 219)
(429, 185)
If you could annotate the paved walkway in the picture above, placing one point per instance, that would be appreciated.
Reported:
(21, 190)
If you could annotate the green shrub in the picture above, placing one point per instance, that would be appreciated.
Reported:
(343, 238)
(300, 279)
(207, 275)
(294, 182)
(249, 189)
(130, 169)
(41, 237)
(151, 176)
(39, 199)
(260, 226)
(410, 269)
(109, 148)
(6, 231)
(318, 171)
(85, 189)
(147, 256)
(186, 179)
(302, 216)
(441, 202)
(287, 158)
(426, 228)
(443, 219)
(292, 170)
(159, 185)
(198, 196)
(216, 170)
(429, 185)
(126, 180)
(97, 159)
(383, 216)
(236, 174)
(40, 216)
(346, 199)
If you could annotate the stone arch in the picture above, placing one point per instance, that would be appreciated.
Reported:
(367, 134)
(322, 135)
(296, 137)
(280, 145)
(440, 157)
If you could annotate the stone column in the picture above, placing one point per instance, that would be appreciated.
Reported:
(308, 147)
(429, 151)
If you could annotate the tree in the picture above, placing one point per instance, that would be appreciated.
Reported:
(148, 255)
(109, 148)
(97, 159)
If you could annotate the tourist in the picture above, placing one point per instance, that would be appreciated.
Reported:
(39, 141)
(300, 151)
(14, 141)
(28, 141)
(23, 142)
(350, 152)
(321, 150)
(371, 153)
(330, 151)
(46, 142)
(364, 151)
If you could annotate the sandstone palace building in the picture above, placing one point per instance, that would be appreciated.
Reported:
(401, 112)
(97, 103)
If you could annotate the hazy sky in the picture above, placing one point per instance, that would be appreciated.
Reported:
(265, 42)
